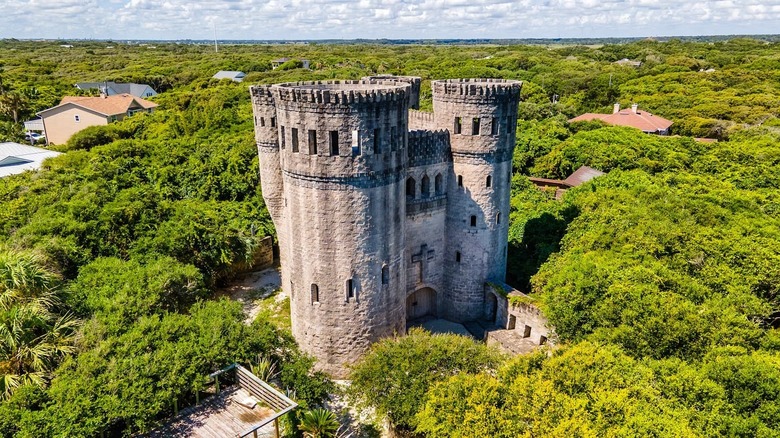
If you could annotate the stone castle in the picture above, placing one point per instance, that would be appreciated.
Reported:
(385, 214)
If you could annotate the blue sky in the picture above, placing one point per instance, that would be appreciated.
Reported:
(319, 19)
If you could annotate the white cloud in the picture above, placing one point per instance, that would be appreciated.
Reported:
(313, 19)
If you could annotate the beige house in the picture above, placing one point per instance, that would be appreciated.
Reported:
(75, 113)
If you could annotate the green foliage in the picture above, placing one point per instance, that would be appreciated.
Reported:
(396, 373)
(319, 423)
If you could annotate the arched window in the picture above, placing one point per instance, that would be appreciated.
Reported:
(411, 188)
(385, 274)
(315, 293)
(425, 188)
(460, 180)
(473, 221)
(498, 218)
(437, 184)
(488, 181)
(350, 290)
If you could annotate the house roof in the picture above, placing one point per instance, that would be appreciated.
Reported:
(115, 88)
(642, 120)
(229, 74)
(281, 60)
(581, 176)
(107, 106)
(16, 158)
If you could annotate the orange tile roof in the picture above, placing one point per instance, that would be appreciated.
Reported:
(109, 105)
(641, 120)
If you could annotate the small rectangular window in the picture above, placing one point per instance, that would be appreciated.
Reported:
(312, 142)
(281, 135)
(77, 118)
(494, 126)
(488, 181)
(355, 143)
(315, 294)
(334, 143)
(273, 122)
(473, 221)
(385, 274)
(457, 256)
(377, 141)
(457, 125)
(460, 180)
(262, 121)
(350, 290)
(475, 126)
(294, 139)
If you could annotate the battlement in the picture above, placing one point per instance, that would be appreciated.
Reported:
(428, 147)
(414, 86)
(477, 88)
(420, 120)
(262, 94)
(341, 92)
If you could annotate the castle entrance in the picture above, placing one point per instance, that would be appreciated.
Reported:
(421, 303)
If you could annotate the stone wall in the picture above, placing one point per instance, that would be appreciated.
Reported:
(422, 121)
(524, 318)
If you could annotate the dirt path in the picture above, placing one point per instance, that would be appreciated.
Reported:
(253, 289)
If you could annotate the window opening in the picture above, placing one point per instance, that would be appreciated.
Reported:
(494, 126)
(488, 181)
(377, 142)
(425, 188)
(410, 188)
(334, 142)
(294, 139)
(437, 184)
(475, 126)
(457, 256)
(312, 142)
(350, 290)
(460, 180)
(355, 143)
(385, 274)
(457, 125)
(473, 221)
(315, 294)
(282, 135)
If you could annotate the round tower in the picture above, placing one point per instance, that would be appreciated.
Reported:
(343, 160)
(414, 86)
(267, 140)
(481, 116)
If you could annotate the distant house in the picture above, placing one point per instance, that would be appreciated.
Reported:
(277, 62)
(113, 88)
(628, 63)
(17, 158)
(35, 124)
(642, 120)
(579, 177)
(236, 76)
(75, 113)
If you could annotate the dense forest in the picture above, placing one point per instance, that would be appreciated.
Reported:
(661, 278)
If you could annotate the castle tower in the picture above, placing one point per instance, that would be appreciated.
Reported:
(267, 140)
(413, 81)
(481, 116)
(342, 155)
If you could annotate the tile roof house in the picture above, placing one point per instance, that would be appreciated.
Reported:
(17, 158)
(634, 118)
(75, 113)
(236, 76)
(113, 88)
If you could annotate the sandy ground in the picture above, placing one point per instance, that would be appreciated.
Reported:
(253, 288)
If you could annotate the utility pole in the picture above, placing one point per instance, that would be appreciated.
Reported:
(216, 49)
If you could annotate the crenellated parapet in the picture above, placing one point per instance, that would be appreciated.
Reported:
(476, 90)
(414, 86)
(428, 147)
(341, 92)
(420, 120)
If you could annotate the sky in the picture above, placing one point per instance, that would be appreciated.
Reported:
(374, 19)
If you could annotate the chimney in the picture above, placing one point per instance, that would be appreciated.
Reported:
(634, 108)
(616, 108)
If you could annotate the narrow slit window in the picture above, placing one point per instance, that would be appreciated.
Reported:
(385, 274)
(315, 294)
(273, 122)
(334, 143)
(312, 142)
(460, 180)
(262, 121)
(350, 290)
(475, 126)
(457, 256)
(355, 143)
(292, 290)
(488, 181)
(457, 125)
(494, 126)
(281, 136)
(377, 141)
(425, 187)
(437, 184)
(411, 188)
(473, 221)
(498, 218)
(294, 139)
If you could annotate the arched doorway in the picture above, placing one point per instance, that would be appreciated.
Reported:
(421, 303)
(491, 307)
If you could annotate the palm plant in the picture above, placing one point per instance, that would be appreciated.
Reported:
(319, 423)
(33, 337)
(264, 369)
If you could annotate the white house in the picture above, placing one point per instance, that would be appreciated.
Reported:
(17, 158)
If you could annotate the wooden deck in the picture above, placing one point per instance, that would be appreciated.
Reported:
(218, 416)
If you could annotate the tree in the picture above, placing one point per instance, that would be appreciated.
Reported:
(34, 337)
(12, 104)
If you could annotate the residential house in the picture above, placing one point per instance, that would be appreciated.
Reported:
(75, 113)
(236, 76)
(642, 120)
(625, 62)
(277, 62)
(113, 88)
(17, 158)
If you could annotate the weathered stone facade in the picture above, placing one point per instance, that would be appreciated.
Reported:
(378, 224)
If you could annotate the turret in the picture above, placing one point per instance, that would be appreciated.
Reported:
(481, 116)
